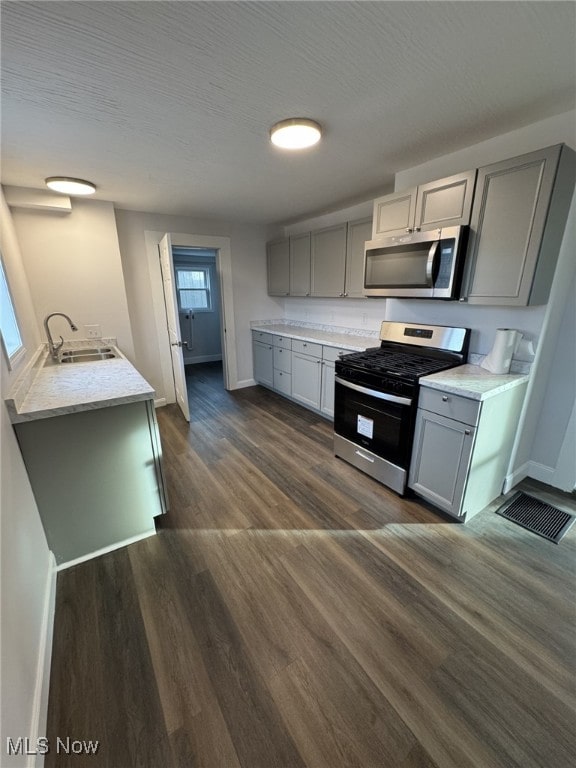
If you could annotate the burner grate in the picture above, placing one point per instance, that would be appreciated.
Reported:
(537, 516)
(398, 362)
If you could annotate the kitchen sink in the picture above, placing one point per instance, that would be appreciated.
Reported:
(88, 358)
(83, 355)
(86, 351)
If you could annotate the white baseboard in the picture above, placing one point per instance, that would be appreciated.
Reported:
(159, 402)
(105, 550)
(245, 383)
(515, 477)
(541, 472)
(40, 705)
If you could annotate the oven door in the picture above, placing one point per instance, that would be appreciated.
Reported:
(381, 423)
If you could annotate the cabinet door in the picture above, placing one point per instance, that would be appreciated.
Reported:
(328, 249)
(300, 265)
(440, 460)
(263, 363)
(327, 395)
(278, 254)
(358, 232)
(445, 203)
(394, 214)
(507, 226)
(306, 376)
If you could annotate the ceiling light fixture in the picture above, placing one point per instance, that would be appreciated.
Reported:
(295, 133)
(69, 186)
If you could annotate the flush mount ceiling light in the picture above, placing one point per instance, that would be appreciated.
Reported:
(295, 133)
(69, 186)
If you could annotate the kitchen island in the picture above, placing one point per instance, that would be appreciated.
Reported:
(90, 443)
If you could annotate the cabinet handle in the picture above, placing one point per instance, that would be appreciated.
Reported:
(345, 294)
(409, 230)
(416, 229)
(340, 294)
(304, 345)
(466, 431)
(445, 398)
(307, 294)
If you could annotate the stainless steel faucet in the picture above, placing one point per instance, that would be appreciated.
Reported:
(55, 347)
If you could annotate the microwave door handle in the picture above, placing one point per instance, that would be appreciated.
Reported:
(431, 262)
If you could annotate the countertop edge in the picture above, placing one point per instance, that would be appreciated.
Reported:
(351, 339)
(475, 383)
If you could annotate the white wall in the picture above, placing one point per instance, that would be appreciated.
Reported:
(73, 265)
(26, 562)
(251, 302)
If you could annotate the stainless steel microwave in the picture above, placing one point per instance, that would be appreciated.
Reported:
(423, 265)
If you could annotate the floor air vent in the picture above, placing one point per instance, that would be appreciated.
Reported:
(537, 516)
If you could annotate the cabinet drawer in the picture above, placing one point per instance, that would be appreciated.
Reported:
(283, 383)
(265, 338)
(282, 341)
(331, 354)
(452, 406)
(282, 359)
(307, 347)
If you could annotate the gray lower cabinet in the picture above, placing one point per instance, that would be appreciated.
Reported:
(263, 359)
(307, 373)
(441, 203)
(300, 370)
(96, 476)
(462, 448)
(278, 262)
(520, 211)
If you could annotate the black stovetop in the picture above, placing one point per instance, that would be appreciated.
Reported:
(396, 362)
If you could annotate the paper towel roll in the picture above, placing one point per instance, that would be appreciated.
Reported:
(500, 356)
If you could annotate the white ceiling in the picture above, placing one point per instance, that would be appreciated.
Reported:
(166, 106)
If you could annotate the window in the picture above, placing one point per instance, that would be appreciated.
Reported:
(11, 337)
(193, 289)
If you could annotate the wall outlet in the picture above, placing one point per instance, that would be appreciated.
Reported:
(93, 331)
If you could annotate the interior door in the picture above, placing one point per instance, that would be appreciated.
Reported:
(173, 324)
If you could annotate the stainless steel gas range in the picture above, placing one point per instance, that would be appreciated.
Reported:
(376, 396)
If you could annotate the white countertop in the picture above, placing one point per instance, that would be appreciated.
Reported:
(343, 338)
(472, 381)
(56, 390)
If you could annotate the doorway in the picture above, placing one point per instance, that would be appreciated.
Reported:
(198, 297)
(220, 246)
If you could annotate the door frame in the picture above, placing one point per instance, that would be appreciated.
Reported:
(228, 328)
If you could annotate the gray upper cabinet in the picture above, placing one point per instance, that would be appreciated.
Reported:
(328, 252)
(358, 232)
(442, 203)
(300, 265)
(278, 256)
(520, 211)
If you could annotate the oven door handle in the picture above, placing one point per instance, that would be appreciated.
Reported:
(374, 393)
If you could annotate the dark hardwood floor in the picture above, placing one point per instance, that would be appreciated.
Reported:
(294, 613)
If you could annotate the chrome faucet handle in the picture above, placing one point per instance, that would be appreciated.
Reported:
(57, 346)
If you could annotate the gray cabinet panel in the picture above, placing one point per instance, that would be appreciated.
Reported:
(263, 363)
(329, 261)
(96, 477)
(278, 258)
(442, 451)
(306, 379)
(518, 219)
(358, 233)
(445, 203)
(300, 265)
(394, 214)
